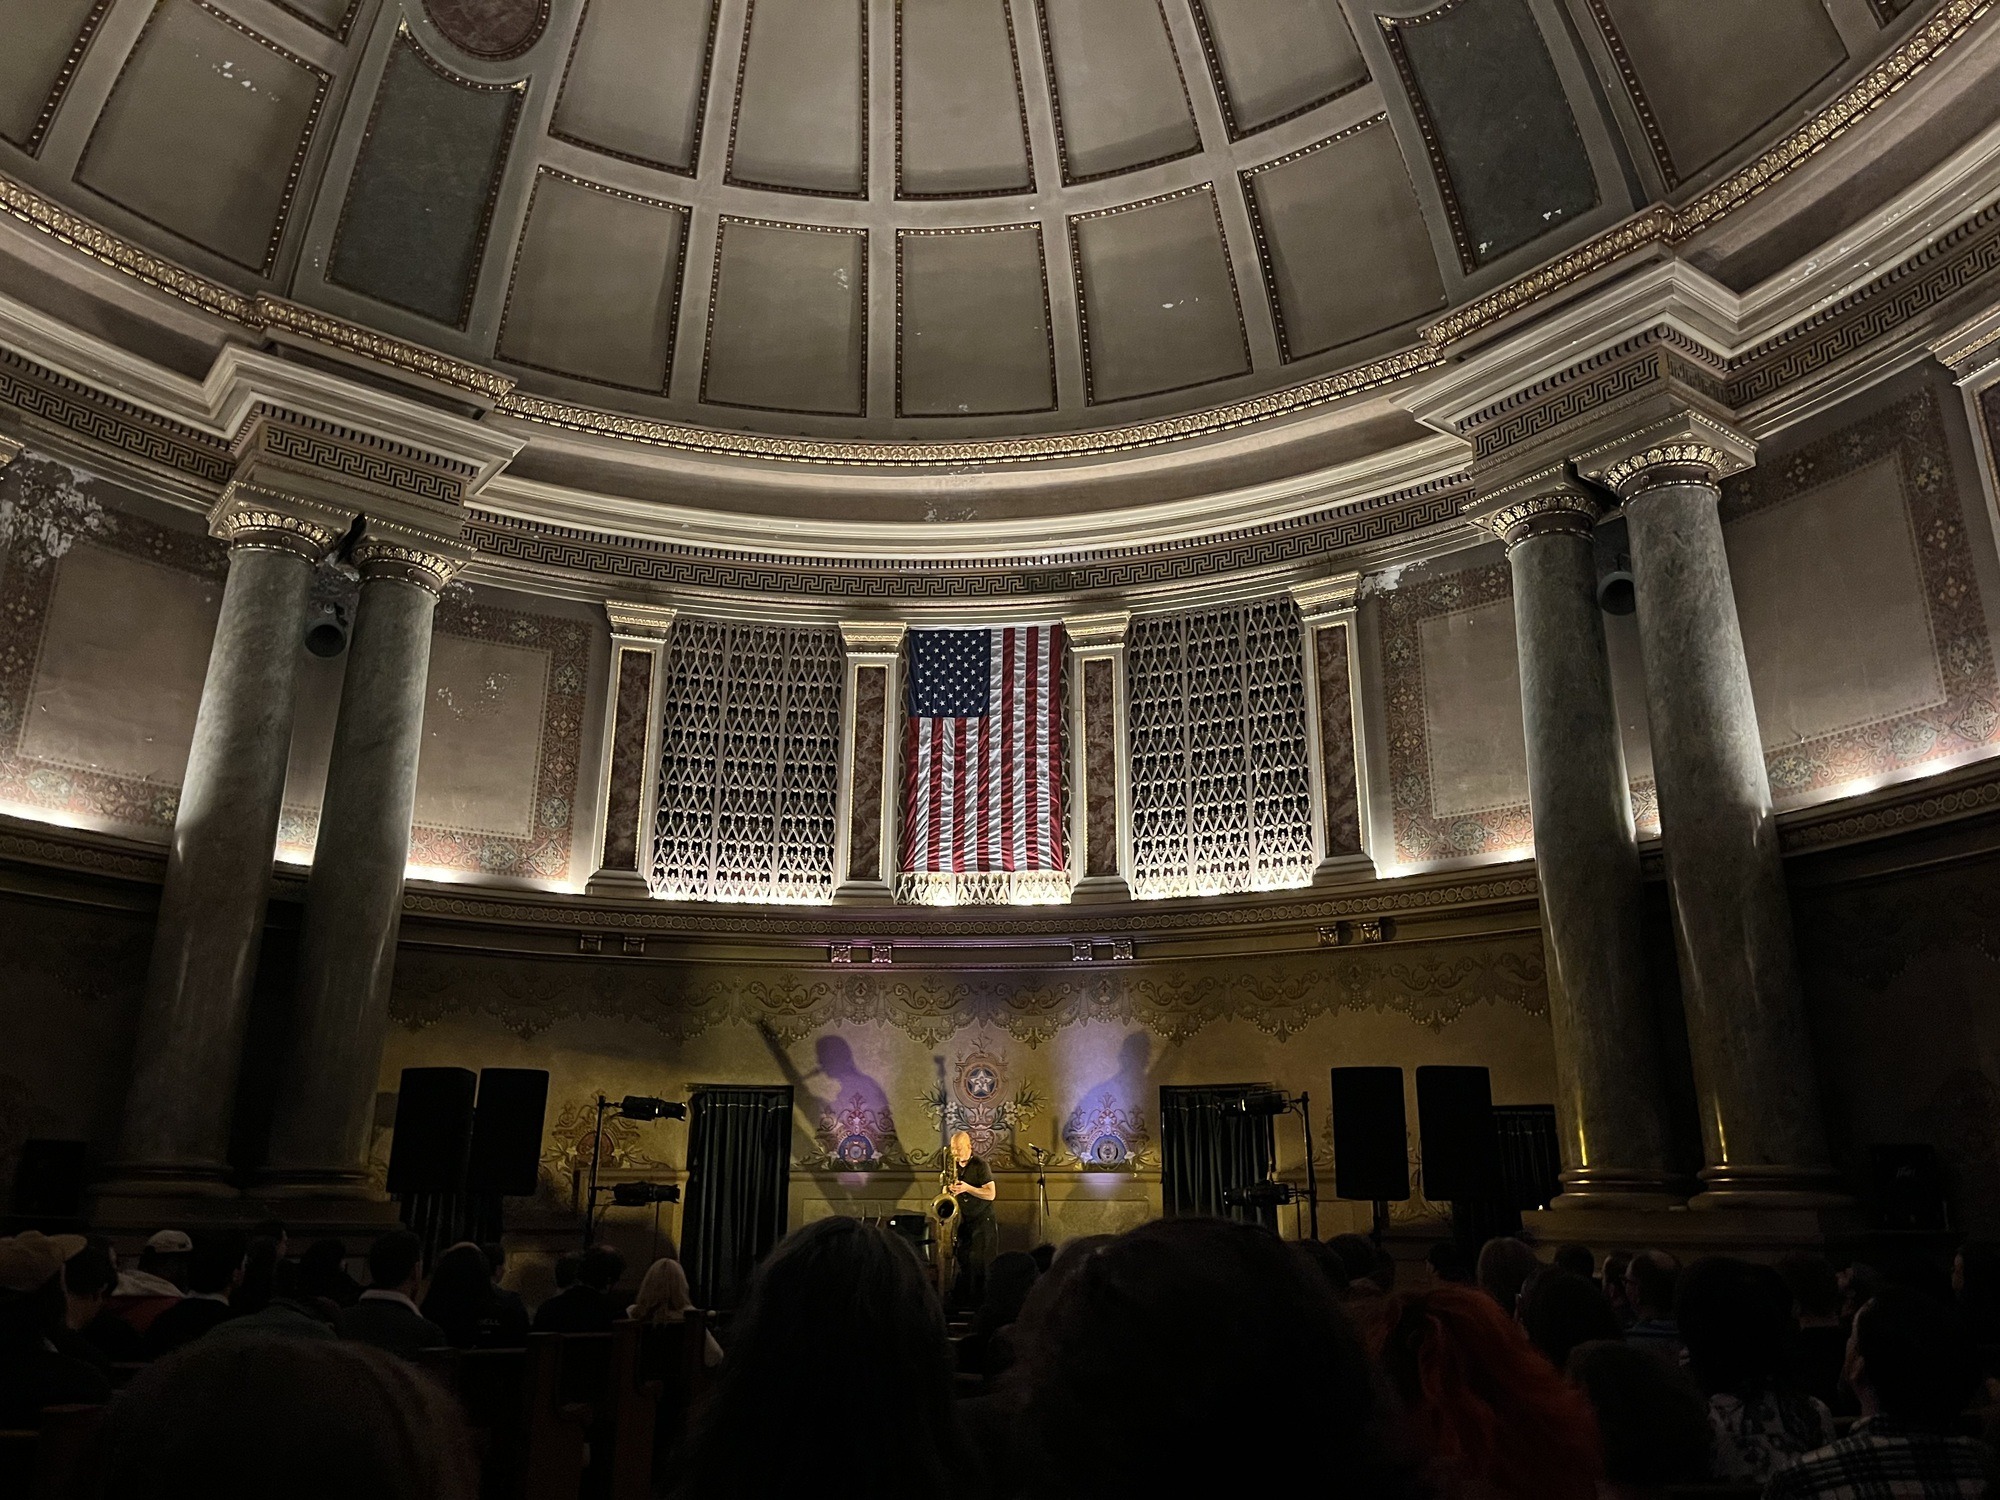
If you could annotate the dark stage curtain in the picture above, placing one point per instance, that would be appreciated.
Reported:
(739, 1173)
(1206, 1148)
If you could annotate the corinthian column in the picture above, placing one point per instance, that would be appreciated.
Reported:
(1753, 1064)
(319, 1134)
(175, 1137)
(1610, 1107)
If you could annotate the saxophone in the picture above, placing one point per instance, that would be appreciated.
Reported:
(944, 1207)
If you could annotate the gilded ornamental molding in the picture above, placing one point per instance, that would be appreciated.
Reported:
(1562, 512)
(647, 622)
(426, 569)
(10, 450)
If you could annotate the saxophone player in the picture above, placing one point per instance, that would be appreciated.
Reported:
(978, 1235)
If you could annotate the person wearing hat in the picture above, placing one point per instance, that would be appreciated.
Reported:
(34, 1373)
(157, 1283)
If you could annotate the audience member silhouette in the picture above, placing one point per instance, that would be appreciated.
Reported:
(1193, 1340)
(472, 1311)
(987, 1349)
(1652, 1279)
(34, 1370)
(1915, 1369)
(842, 1340)
(1577, 1260)
(1493, 1416)
(1449, 1263)
(1560, 1310)
(664, 1298)
(323, 1276)
(1325, 1261)
(243, 1418)
(588, 1305)
(1652, 1420)
(387, 1315)
(215, 1268)
(1975, 1284)
(1819, 1339)
(1612, 1278)
(1736, 1320)
(1505, 1264)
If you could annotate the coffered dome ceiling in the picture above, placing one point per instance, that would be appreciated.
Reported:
(912, 221)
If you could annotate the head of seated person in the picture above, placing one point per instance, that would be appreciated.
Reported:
(396, 1262)
(319, 1420)
(1911, 1360)
(1489, 1410)
(840, 1328)
(1653, 1420)
(1190, 1343)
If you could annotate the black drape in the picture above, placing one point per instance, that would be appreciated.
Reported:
(1207, 1148)
(739, 1176)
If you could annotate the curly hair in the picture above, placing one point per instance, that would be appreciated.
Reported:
(1484, 1401)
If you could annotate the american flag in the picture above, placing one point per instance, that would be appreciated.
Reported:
(982, 767)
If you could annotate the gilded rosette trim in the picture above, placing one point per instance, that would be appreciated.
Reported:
(427, 570)
(1670, 463)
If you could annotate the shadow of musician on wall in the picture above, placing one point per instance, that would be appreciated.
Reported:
(844, 1111)
(1108, 1126)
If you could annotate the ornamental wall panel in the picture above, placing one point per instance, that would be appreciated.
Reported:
(749, 763)
(1221, 790)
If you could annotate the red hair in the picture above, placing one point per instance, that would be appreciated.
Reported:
(1484, 1401)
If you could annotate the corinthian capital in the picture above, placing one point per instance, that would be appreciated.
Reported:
(256, 517)
(427, 568)
(1687, 448)
(1548, 502)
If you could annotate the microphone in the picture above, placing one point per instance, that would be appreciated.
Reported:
(1039, 1152)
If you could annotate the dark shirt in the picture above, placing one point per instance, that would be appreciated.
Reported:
(1819, 1355)
(499, 1322)
(581, 1309)
(34, 1375)
(183, 1323)
(975, 1210)
(388, 1324)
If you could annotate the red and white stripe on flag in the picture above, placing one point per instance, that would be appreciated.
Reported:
(982, 786)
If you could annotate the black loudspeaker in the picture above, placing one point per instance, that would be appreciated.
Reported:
(507, 1131)
(1455, 1118)
(433, 1136)
(49, 1178)
(1371, 1135)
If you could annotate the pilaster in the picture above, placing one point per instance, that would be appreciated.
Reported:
(629, 763)
(865, 806)
(1336, 746)
(1100, 832)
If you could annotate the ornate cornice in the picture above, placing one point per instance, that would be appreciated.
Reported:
(276, 316)
(1685, 447)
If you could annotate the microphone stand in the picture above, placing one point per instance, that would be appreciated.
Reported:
(1042, 1189)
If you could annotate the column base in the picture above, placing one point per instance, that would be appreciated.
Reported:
(342, 1184)
(627, 883)
(1780, 1188)
(1096, 890)
(864, 893)
(1609, 1188)
(140, 1197)
(1752, 1233)
(1341, 869)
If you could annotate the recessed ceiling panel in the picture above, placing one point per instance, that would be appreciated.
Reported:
(1158, 298)
(960, 128)
(1277, 58)
(331, 16)
(787, 321)
(802, 98)
(45, 41)
(973, 337)
(595, 284)
(1706, 74)
(1503, 142)
(637, 80)
(1343, 242)
(1120, 99)
(413, 229)
(204, 132)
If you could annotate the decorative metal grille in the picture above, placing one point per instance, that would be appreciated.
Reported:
(1221, 794)
(749, 763)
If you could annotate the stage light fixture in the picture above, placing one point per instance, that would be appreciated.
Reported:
(1264, 1102)
(1262, 1195)
(644, 1107)
(640, 1194)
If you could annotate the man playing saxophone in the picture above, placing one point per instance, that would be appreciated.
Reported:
(977, 1235)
